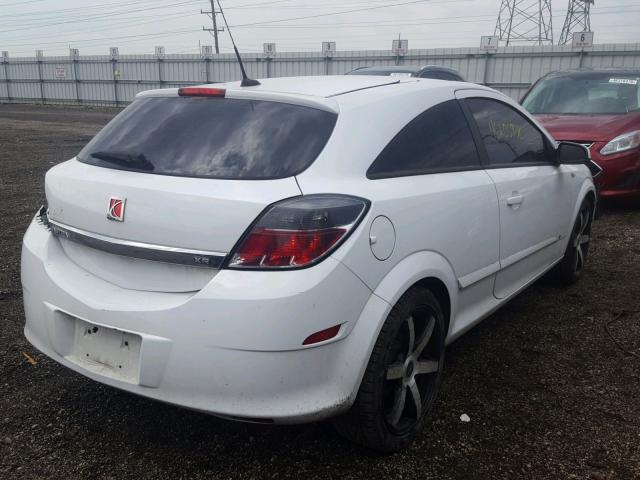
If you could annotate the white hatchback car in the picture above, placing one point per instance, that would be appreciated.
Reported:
(301, 249)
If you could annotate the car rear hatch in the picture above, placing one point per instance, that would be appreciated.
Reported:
(162, 194)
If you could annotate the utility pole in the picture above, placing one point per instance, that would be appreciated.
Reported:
(215, 29)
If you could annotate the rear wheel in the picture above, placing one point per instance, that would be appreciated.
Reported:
(403, 376)
(570, 268)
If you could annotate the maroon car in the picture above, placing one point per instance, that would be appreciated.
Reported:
(598, 108)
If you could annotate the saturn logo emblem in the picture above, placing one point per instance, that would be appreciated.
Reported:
(116, 209)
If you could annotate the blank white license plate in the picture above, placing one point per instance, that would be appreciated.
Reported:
(107, 351)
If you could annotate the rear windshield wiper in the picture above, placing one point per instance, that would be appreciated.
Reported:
(133, 159)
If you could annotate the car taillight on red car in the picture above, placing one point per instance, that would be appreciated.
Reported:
(298, 232)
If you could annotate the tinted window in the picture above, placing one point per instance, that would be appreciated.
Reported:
(450, 76)
(507, 135)
(439, 75)
(431, 74)
(212, 137)
(585, 94)
(437, 140)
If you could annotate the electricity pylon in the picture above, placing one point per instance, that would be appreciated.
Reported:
(577, 20)
(525, 21)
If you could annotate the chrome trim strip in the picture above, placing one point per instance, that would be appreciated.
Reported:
(127, 248)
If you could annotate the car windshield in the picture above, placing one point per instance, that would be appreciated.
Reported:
(212, 138)
(593, 94)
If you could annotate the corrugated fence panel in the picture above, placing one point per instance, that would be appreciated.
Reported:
(184, 71)
(23, 70)
(102, 80)
(94, 70)
(25, 90)
(225, 71)
(56, 70)
(143, 70)
(128, 90)
(91, 92)
(59, 90)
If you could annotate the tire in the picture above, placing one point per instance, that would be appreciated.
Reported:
(569, 269)
(402, 378)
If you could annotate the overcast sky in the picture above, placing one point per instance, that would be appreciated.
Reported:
(136, 26)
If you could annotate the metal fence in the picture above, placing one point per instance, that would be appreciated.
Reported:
(106, 80)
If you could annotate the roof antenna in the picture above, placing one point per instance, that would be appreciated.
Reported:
(246, 81)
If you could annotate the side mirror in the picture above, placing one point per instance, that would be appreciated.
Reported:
(572, 153)
(575, 154)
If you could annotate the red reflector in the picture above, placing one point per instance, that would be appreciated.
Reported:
(201, 92)
(322, 335)
(265, 247)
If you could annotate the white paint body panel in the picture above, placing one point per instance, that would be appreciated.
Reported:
(230, 342)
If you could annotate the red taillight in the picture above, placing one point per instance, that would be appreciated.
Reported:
(286, 248)
(201, 92)
(298, 232)
(322, 335)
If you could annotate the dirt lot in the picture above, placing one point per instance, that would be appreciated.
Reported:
(549, 393)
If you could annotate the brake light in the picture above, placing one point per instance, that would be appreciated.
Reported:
(298, 232)
(201, 92)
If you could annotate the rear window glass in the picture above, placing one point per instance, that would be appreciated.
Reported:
(212, 138)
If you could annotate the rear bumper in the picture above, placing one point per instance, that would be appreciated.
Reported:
(233, 349)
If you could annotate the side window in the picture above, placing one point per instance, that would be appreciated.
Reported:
(437, 140)
(432, 74)
(456, 78)
(508, 136)
(448, 76)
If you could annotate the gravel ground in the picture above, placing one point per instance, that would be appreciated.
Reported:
(549, 392)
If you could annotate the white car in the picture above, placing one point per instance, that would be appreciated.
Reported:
(301, 249)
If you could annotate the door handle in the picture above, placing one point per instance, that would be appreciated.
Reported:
(515, 199)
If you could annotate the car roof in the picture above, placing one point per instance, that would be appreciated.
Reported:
(587, 72)
(318, 86)
(312, 91)
(389, 68)
(405, 69)
(323, 92)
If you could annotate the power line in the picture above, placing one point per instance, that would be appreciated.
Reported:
(414, 22)
(98, 17)
(110, 27)
(19, 3)
(55, 12)
(64, 11)
(90, 40)
(124, 17)
(329, 14)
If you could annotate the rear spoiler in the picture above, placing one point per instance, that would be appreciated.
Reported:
(320, 103)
